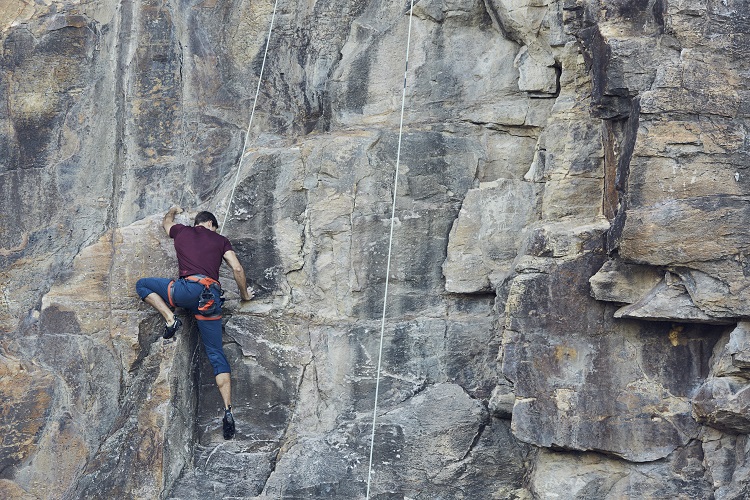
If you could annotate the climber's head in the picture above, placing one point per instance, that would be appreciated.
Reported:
(204, 217)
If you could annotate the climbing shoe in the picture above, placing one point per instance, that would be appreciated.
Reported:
(228, 424)
(169, 331)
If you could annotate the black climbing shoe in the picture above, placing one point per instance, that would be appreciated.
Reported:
(169, 331)
(228, 424)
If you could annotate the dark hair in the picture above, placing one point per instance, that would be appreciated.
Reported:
(206, 217)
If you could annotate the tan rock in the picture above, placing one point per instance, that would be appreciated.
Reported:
(537, 73)
(32, 391)
(620, 282)
(669, 300)
(486, 236)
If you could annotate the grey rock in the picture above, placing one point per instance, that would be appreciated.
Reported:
(739, 346)
(502, 400)
(669, 300)
(724, 403)
(448, 434)
(486, 236)
(558, 157)
(730, 354)
(537, 72)
(565, 411)
(591, 475)
(620, 282)
(225, 470)
(726, 462)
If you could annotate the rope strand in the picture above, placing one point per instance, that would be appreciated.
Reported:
(252, 114)
(390, 247)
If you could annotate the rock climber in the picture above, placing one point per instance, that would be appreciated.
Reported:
(200, 251)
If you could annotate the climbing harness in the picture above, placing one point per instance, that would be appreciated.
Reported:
(208, 308)
(207, 303)
(390, 246)
(252, 115)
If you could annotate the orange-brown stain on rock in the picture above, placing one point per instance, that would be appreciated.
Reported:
(565, 353)
(674, 335)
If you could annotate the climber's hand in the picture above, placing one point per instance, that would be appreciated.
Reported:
(248, 295)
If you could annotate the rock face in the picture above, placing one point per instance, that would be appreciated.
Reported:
(567, 299)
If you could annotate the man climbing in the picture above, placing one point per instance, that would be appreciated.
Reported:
(200, 251)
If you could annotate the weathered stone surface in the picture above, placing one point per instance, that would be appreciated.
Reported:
(269, 358)
(724, 403)
(669, 300)
(153, 432)
(590, 475)
(714, 287)
(117, 392)
(685, 172)
(486, 236)
(726, 459)
(537, 72)
(31, 393)
(679, 293)
(721, 401)
(648, 404)
(427, 445)
(208, 477)
(617, 281)
(502, 400)
(558, 159)
(739, 347)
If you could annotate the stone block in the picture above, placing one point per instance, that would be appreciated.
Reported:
(620, 282)
(566, 336)
(486, 237)
(724, 403)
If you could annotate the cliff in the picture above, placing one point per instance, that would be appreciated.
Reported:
(568, 293)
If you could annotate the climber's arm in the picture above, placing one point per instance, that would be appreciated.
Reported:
(168, 220)
(239, 275)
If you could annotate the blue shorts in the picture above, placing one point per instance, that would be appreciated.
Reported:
(185, 294)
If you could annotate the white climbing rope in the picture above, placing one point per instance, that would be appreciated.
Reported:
(252, 115)
(390, 247)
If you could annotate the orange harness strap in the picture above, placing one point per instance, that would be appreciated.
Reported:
(205, 281)
(207, 318)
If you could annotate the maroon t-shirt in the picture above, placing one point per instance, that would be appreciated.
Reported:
(199, 250)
